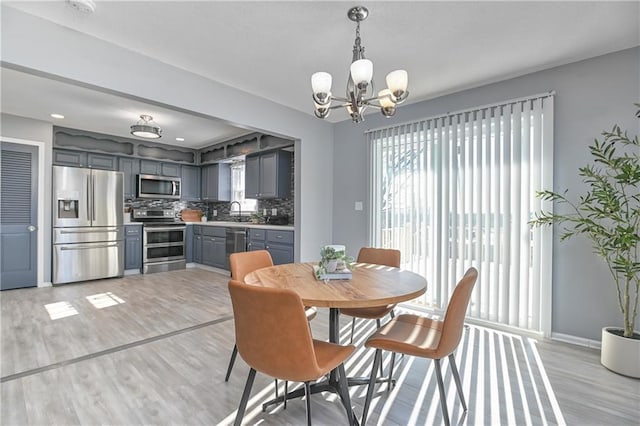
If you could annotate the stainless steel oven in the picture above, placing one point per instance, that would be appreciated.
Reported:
(163, 240)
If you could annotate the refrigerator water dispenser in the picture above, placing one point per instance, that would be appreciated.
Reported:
(68, 209)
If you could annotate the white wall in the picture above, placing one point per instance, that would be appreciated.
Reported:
(591, 96)
(25, 129)
(43, 47)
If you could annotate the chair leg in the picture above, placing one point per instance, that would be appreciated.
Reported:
(286, 391)
(378, 325)
(353, 328)
(231, 362)
(245, 397)
(307, 394)
(456, 378)
(443, 396)
(344, 390)
(393, 360)
(372, 381)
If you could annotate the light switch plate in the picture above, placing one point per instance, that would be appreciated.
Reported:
(274, 212)
(215, 213)
(358, 206)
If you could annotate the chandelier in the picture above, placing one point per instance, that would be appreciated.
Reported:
(360, 87)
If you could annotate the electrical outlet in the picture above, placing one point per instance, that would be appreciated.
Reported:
(274, 212)
(215, 213)
(264, 212)
(358, 206)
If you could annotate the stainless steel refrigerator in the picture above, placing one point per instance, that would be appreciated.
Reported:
(88, 240)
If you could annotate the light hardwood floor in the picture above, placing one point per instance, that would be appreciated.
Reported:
(153, 349)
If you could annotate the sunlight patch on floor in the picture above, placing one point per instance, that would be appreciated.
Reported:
(59, 310)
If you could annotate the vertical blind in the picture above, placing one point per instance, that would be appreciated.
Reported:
(457, 191)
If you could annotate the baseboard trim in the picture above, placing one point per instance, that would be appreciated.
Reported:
(45, 284)
(575, 340)
(132, 272)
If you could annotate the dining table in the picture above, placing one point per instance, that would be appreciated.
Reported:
(369, 286)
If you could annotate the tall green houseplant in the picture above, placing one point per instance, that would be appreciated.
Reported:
(608, 214)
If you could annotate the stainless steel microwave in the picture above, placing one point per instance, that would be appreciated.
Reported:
(152, 186)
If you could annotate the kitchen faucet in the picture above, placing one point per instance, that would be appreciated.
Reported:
(239, 209)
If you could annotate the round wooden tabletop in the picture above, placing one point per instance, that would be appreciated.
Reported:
(371, 285)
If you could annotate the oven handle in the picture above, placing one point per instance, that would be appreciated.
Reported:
(88, 247)
(168, 228)
(157, 245)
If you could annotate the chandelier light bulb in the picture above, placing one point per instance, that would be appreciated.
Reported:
(386, 99)
(321, 86)
(397, 82)
(362, 71)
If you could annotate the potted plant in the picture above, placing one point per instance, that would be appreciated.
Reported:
(332, 258)
(609, 216)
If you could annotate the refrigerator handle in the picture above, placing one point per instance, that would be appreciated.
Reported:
(89, 198)
(93, 195)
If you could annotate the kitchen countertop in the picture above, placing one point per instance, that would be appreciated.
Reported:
(243, 225)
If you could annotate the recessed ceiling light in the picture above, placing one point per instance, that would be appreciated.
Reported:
(180, 139)
(57, 115)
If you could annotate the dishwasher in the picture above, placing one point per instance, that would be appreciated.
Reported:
(236, 241)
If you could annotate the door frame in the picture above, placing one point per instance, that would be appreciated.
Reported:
(41, 204)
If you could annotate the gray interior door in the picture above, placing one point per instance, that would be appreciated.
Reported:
(18, 215)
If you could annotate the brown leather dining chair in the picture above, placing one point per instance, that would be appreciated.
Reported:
(428, 338)
(242, 264)
(378, 256)
(273, 337)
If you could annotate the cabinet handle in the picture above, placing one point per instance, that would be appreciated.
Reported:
(279, 236)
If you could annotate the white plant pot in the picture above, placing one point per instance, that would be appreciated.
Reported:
(331, 265)
(620, 354)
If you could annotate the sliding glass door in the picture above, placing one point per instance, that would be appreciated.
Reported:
(459, 190)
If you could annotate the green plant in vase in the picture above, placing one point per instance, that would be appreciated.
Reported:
(332, 260)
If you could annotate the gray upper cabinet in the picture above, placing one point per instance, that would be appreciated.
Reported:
(150, 167)
(190, 183)
(64, 157)
(104, 162)
(170, 169)
(268, 175)
(252, 176)
(216, 182)
(130, 168)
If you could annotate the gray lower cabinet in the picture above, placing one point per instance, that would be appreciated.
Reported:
(188, 243)
(130, 168)
(133, 247)
(214, 246)
(256, 239)
(190, 183)
(216, 182)
(278, 243)
(197, 243)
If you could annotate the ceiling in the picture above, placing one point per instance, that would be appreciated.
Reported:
(270, 49)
